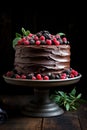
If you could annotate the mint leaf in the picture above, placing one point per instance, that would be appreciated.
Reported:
(73, 92)
(15, 41)
(25, 33)
(61, 34)
(18, 35)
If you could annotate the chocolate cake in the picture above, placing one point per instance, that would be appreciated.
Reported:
(42, 56)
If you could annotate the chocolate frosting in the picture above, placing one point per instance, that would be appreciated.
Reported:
(42, 58)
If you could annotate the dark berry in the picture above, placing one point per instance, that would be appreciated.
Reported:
(39, 34)
(67, 71)
(17, 76)
(57, 76)
(29, 76)
(43, 42)
(32, 41)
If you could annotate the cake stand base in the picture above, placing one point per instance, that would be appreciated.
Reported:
(41, 105)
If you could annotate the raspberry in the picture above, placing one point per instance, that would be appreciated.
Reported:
(23, 76)
(46, 77)
(38, 76)
(42, 38)
(33, 78)
(17, 76)
(37, 42)
(74, 72)
(49, 42)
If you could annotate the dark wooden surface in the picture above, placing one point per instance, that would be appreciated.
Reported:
(75, 120)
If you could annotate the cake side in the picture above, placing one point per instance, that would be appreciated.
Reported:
(42, 59)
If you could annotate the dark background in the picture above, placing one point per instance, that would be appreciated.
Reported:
(12, 21)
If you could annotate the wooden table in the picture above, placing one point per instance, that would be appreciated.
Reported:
(76, 120)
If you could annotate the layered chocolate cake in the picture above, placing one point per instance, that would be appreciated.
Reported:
(42, 56)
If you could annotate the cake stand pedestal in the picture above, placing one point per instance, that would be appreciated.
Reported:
(41, 105)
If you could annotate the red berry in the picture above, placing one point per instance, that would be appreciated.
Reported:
(17, 76)
(30, 35)
(63, 76)
(54, 39)
(38, 76)
(23, 39)
(57, 42)
(23, 76)
(26, 42)
(36, 38)
(71, 75)
(49, 42)
(64, 39)
(33, 78)
(42, 38)
(37, 42)
(19, 41)
(74, 72)
(46, 77)
(9, 73)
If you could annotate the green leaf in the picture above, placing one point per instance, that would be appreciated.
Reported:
(15, 41)
(62, 93)
(71, 96)
(73, 92)
(73, 108)
(18, 35)
(70, 101)
(79, 96)
(61, 34)
(67, 106)
(25, 33)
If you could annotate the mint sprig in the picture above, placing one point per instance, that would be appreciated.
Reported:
(18, 36)
(69, 101)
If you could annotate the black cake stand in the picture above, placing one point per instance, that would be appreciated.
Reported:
(41, 105)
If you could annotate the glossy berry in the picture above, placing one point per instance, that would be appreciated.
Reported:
(33, 78)
(42, 37)
(36, 38)
(37, 42)
(57, 42)
(17, 76)
(49, 42)
(26, 42)
(46, 77)
(38, 76)
(74, 72)
(23, 76)
(30, 35)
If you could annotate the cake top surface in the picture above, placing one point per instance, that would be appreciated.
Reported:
(40, 38)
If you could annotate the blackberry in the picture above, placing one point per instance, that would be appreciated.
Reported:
(45, 32)
(32, 42)
(39, 34)
(57, 76)
(51, 76)
(29, 76)
(68, 71)
(47, 36)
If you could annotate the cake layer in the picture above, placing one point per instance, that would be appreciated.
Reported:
(41, 59)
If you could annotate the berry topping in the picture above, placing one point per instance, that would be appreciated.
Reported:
(40, 38)
(68, 73)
